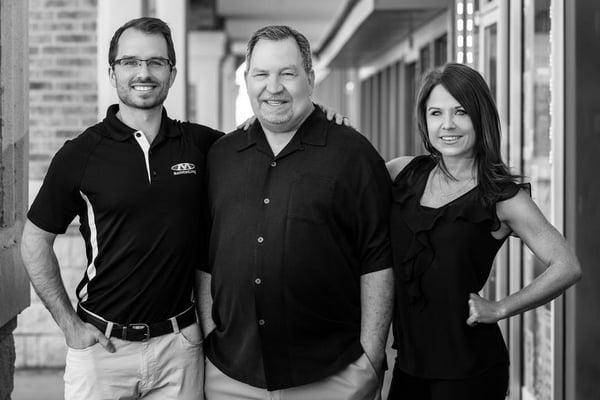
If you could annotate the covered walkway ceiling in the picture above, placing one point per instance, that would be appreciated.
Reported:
(341, 32)
(313, 18)
(384, 22)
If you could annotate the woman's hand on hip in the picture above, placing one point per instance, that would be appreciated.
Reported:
(483, 311)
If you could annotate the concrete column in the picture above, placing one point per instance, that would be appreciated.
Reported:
(111, 15)
(14, 285)
(206, 50)
(173, 12)
(352, 92)
(14, 113)
(229, 93)
(7, 359)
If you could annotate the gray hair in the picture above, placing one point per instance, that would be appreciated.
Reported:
(281, 32)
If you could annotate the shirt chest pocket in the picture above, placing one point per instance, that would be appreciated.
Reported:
(311, 198)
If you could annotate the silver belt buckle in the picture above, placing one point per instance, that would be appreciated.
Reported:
(140, 327)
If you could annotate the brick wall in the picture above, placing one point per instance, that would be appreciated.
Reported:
(63, 97)
(62, 73)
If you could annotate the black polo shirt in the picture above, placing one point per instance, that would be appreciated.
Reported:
(142, 214)
(291, 236)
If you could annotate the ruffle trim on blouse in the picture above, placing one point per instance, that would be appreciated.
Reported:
(420, 254)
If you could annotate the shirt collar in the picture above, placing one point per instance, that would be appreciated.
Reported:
(121, 132)
(313, 131)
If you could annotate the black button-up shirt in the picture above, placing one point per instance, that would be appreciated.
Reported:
(291, 236)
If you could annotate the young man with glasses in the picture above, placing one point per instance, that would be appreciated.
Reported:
(136, 181)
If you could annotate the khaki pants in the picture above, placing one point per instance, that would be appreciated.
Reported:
(166, 367)
(358, 381)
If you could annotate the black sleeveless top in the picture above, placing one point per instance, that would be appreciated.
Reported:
(441, 255)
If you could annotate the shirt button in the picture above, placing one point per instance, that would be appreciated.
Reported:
(273, 163)
(266, 201)
(260, 239)
(137, 134)
(154, 173)
(257, 281)
(261, 322)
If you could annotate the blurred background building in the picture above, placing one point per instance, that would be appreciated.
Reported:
(540, 58)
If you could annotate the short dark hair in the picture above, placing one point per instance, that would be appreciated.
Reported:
(281, 32)
(149, 25)
(469, 88)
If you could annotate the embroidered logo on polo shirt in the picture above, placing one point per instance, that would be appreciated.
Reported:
(183, 168)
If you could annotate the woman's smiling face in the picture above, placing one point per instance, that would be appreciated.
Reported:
(449, 127)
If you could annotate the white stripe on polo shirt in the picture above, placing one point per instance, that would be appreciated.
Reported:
(140, 138)
(91, 269)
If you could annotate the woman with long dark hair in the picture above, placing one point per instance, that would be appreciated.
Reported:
(453, 208)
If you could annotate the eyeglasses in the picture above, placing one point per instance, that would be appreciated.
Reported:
(154, 63)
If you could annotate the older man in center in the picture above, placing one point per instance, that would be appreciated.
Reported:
(297, 296)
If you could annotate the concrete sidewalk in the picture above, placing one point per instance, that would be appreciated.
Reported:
(38, 384)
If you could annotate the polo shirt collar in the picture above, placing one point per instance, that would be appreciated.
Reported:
(313, 131)
(121, 132)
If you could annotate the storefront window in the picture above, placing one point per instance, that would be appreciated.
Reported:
(491, 54)
(424, 59)
(441, 50)
(538, 349)
(410, 82)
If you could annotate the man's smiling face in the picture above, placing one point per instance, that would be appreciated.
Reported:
(278, 86)
(142, 87)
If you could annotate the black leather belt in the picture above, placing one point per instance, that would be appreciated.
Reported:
(140, 332)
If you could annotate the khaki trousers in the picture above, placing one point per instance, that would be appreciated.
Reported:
(166, 367)
(358, 381)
